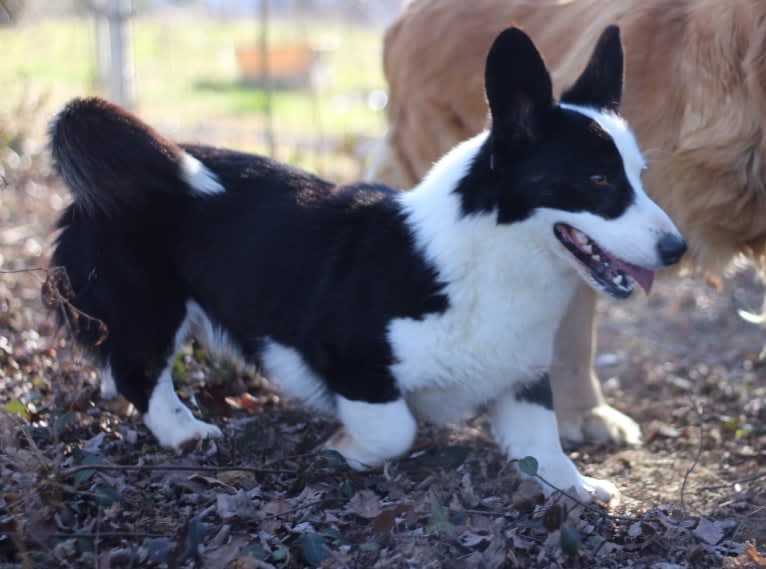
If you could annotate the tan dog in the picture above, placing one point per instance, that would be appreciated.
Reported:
(695, 75)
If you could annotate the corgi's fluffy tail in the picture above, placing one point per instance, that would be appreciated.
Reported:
(112, 161)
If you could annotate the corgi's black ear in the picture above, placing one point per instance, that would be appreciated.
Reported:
(600, 85)
(518, 89)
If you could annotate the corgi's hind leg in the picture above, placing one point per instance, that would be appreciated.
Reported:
(170, 420)
(150, 390)
(372, 433)
(140, 363)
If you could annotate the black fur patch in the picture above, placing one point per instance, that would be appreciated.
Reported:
(280, 254)
(88, 148)
(320, 268)
(600, 85)
(537, 154)
(555, 172)
(537, 391)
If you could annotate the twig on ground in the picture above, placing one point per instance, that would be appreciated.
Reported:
(174, 467)
(590, 507)
(488, 513)
(319, 502)
(286, 458)
(97, 539)
(107, 534)
(137, 534)
(26, 270)
(698, 454)
(744, 480)
(57, 293)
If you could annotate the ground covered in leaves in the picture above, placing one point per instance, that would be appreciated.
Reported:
(85, 486)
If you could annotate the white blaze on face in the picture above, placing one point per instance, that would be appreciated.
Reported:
(634, 235)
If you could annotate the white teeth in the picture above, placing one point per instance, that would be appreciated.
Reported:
(581, 238)
(588, 249)
(596, 258)
(621, 281)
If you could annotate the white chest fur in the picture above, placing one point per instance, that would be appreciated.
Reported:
(495, 333)
(507, 294)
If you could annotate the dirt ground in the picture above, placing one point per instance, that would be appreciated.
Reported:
(85, 486)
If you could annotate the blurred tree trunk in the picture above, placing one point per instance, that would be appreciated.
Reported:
(266, 76)
(10, 10)
(114, 67)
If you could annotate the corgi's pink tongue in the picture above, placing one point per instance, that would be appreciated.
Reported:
(644, 277)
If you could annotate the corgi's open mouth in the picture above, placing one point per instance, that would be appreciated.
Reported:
(613, 276)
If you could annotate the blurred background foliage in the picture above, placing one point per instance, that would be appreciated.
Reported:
(193, 70)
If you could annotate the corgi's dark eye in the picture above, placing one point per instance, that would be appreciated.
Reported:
(599, 180)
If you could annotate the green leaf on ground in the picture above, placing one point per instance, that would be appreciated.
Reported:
(313, 549)
(254, 550)
(107, 495)
(570, 540)
(85, 475)
(440, 521)
(16, 407)
(528, 465)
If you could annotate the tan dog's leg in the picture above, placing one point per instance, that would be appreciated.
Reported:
(583, 414)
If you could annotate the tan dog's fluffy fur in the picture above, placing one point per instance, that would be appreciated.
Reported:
(695, 95)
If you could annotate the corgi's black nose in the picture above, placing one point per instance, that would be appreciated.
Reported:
(671, 248)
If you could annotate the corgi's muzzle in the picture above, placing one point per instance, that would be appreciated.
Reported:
(613, 275)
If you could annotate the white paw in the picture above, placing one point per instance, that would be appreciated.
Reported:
(601, 490)
(186, 429)
(171, 421)
(560, 473)
(357, 457)
(599, 424)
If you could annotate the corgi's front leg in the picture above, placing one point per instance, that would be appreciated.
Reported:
(524, 424)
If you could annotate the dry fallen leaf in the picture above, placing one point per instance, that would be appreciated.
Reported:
(470, 539)
(229, 506)
(276, 507)
(708, 531)
(209, 481)
(754, 556)
(365, 504)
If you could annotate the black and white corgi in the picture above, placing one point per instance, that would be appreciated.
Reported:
(374, 305)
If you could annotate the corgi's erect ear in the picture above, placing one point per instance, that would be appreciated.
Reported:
(518, 89)
(600, 85)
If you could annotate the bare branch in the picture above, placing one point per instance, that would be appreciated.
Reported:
(744, 480)
(173, 468)
(693, 465)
